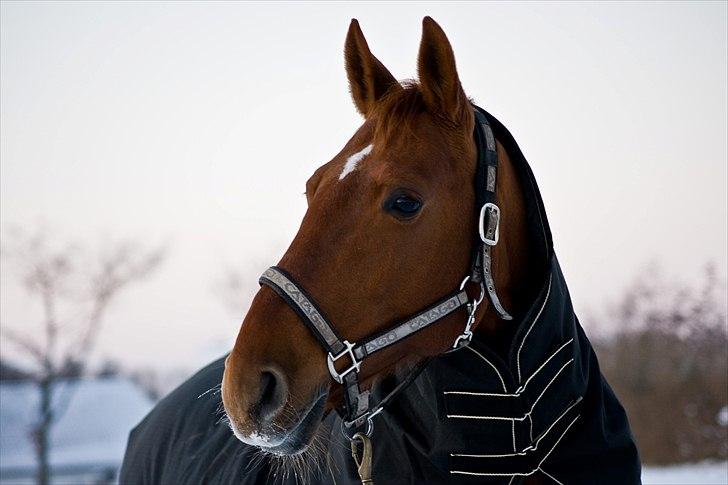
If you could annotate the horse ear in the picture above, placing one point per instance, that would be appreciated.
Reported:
(438, 75)
(368, 78)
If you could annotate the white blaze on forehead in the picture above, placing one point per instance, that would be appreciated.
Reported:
(353, 160)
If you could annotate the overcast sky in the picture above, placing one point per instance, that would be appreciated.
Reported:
(197, 126)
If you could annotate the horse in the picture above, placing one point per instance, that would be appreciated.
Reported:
(417, 330)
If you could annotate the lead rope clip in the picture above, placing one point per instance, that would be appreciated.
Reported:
(464, 338)
(363, 465)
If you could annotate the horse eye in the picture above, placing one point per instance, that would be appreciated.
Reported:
(403, 206)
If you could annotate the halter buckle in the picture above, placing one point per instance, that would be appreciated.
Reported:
(489, 235)
(331, 360)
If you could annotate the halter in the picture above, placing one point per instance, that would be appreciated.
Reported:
(358, 409)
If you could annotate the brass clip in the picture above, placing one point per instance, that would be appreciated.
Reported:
(364, 466)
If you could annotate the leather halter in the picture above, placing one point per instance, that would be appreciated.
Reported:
(358, 409)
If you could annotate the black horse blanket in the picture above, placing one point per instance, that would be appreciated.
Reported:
(470, 416)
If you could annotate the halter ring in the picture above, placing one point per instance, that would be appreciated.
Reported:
(369, 421)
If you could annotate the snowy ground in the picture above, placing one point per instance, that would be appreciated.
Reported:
(88, 441)
(707, 473)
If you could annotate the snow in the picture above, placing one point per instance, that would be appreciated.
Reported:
(722, 417)
(93, 431)
(706, 473)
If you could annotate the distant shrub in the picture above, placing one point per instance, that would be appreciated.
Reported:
(667, 360)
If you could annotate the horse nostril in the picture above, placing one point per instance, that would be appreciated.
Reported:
(272, 395)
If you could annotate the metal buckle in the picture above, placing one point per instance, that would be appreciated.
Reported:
(491, 238)
(354, 367)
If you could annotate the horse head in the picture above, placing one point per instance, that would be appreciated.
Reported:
(389, 230)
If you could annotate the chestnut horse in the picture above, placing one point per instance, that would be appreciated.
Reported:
(390, 229)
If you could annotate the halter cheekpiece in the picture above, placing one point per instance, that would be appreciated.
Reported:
(358, 410)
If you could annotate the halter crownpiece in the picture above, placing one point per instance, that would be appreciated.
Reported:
(358, 410)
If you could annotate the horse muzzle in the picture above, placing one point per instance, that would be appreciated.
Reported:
(260, 412)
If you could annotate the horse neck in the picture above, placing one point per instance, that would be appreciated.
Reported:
(511, 259)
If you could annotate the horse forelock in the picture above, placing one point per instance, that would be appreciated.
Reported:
(399, 110)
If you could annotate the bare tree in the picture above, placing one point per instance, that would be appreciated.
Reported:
(75, 295)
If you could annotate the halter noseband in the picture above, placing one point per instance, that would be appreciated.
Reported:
(358, 409)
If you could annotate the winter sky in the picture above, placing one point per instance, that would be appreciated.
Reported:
(197, 126)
